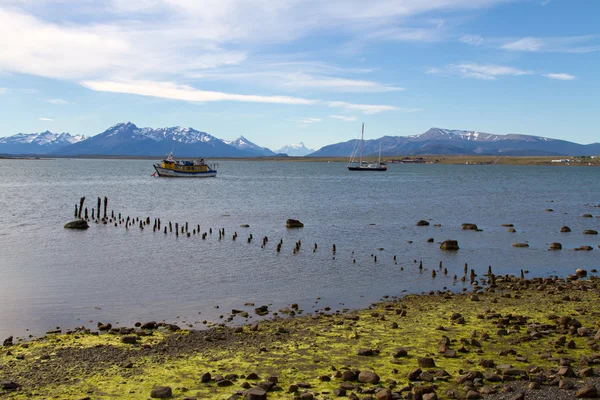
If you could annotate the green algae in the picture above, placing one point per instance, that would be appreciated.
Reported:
(303, 349)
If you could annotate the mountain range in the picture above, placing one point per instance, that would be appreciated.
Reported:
(438, 141)
(126, 139)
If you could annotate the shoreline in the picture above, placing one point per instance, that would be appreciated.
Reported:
(507, 331)
(427, 159)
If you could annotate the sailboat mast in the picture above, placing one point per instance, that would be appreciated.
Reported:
(362, 138)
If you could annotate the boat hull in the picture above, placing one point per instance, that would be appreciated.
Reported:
(169, 173)
(380, 169)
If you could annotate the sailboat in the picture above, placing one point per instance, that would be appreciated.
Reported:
(363, 165)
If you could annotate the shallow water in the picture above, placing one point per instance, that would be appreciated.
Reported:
(50, 276)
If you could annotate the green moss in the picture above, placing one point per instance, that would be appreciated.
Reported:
(312, 348)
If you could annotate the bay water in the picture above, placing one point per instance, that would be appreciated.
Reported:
(53, 277)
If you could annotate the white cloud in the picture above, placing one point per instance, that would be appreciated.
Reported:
(474, 40)
(561, 77)
(306, 120)
(57, 101)
(369, 108)
(343, 118)
(525, 44)
(46, 119)
(169, 90)
(560, 44)
(479, 71)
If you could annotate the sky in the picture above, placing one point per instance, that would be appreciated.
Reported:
(285, 71)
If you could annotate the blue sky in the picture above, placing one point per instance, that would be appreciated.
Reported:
(279, 72)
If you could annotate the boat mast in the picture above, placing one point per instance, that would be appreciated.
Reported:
(362, 138)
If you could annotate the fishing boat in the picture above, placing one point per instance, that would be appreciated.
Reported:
(363, 165)
(184, 168)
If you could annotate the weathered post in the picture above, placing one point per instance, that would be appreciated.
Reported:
(80, 207)
(105, 205)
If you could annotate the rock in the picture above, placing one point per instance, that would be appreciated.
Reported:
(252, 376)
(307, 396)
(129, 339)
(588, 216)
(8, 341)
(469, 226)
(262, 310)
(414, 374)
(520, 245)
(400, 352)
(581, 273)
(590, 232)
(348, 376)
(255, 394)
(205, 378)
(224, 383)
(422, 223)
(518, 396)
(149, 325)
(426, 377)
(429, 396)
(365, 352)
(566, 372)
(430, 240)
(77, 224)
(384, 394)
(161, 392)
(339, 392)
(587, 392)
(426, 362)
(473, 394)
(368, 377)
(555, 246)
(244, 226)
(565, 229)
(450, 245)
(293, 223)
(9, 385)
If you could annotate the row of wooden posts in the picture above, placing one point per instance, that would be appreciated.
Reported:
(95, 215)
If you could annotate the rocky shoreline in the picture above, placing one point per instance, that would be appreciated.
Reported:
(509, 338)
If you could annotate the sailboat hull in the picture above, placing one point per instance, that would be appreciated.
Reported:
(364, 168)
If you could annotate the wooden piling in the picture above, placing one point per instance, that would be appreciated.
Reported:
(93, 214)
(86, 214)
(81, 201)
(105, 205)
(99, 208)
(170, 226)
(76, 212)
(466, 268)
(333, 249)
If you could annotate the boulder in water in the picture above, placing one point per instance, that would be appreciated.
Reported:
(77, 224)
(293, 223)
(422, 223)
(469, 226)
(451, 245)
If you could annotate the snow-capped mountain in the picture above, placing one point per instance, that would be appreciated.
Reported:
(295, 150)
(450, 141)
(128, 139)
(244, 144)
(37, 143)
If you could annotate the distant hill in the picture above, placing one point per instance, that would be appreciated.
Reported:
(247, 146)
(295, 150)
(439, 141)
(37, 143)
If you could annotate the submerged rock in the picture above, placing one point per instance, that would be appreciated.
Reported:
(77, 224)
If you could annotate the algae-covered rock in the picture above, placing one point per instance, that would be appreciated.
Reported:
(426, 362)
(590, 232)
(450, 245)
(77, 224)
(293, 223)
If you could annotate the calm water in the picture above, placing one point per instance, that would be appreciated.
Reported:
(50, 276)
